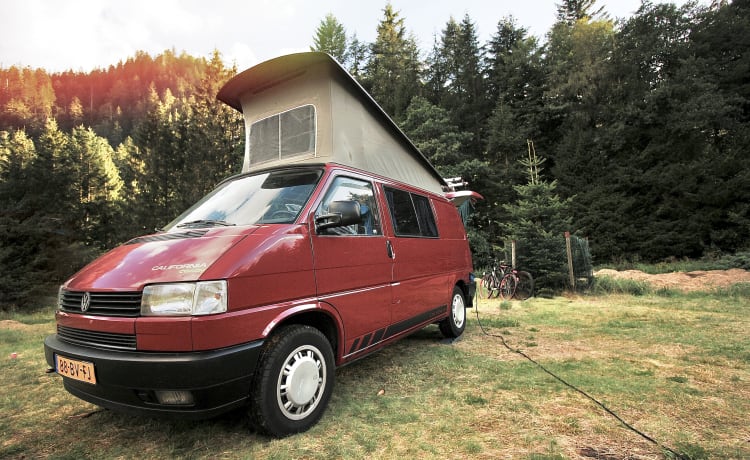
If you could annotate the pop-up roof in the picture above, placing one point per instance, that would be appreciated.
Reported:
(306, 109)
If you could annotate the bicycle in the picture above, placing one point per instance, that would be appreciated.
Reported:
(489, 285)
(516, 284)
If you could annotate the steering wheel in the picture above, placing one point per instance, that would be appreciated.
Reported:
(283, 215)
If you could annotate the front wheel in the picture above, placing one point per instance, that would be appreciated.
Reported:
(293, 382)
(453, 326)
(508, 286)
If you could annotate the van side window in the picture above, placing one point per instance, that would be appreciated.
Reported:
(411, 214)
(349, 189)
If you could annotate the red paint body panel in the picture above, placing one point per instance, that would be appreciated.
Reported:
(211, 332)
(132, 266)
(270, 266)
(108, 324)
(164, 334)
(354, 274)
(418, 286)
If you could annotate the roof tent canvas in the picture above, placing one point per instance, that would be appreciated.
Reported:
(350, 128)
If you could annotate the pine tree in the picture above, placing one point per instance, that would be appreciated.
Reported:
(432, 131)
(17, 152)
(456, 81)
(330, 37)
(392, 73)
(97, 184)
(537, 222)
(215, 133)
(572, 11)
(358, 54)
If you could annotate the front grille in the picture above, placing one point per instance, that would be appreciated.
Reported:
(127, 304)
(96, 339)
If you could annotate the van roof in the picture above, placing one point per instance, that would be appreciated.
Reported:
(350, 127)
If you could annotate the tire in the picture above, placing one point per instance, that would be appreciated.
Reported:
(525, 286)
(293, 382)
(489, 286)
(508, 287)
(484, 286)
(453, 326)
(495, 283)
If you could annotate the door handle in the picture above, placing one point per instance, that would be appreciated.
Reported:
(389, 248)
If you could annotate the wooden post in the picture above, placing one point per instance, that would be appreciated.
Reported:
(570, 261)
(513, 253)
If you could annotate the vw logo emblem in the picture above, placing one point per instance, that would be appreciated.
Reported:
(85, 301)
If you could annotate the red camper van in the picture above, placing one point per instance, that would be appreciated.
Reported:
(336, 239)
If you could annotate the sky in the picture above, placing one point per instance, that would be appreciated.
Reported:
(82, 35)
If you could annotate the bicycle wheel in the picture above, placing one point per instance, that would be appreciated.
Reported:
(524, 286)
(507, 286)
(484, 286)
(494, 286)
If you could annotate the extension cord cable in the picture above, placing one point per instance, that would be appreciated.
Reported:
(573, 387)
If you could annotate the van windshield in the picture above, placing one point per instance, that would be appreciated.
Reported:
(274, 197)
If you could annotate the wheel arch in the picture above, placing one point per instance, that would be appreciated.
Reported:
(468, 289)
(320, 317)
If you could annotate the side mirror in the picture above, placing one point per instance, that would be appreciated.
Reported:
(340, 214)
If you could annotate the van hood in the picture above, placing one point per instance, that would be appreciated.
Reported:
(158, 258)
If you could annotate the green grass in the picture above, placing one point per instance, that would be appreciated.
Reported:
(607, 285)
(677, 367)
(718, 262)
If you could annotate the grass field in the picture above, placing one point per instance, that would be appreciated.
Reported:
(674, 366)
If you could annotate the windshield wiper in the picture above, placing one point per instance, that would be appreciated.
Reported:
(205, 223)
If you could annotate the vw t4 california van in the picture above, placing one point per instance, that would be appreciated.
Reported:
(336, 239)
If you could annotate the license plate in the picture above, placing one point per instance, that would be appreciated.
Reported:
(77, 370)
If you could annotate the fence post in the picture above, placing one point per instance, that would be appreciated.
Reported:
(570, 261)
(513, 253)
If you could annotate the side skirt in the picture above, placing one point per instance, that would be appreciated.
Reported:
(381, 335)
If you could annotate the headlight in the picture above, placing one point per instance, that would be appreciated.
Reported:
(184, 299)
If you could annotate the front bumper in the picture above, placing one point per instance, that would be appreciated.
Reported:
(219, 380)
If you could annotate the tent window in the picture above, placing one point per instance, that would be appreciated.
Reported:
(284, 135)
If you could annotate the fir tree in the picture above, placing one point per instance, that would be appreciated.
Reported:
(537, 223)
(330, 37)
(392, 73)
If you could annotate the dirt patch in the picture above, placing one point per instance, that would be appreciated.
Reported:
(13, 325)
(683, 281)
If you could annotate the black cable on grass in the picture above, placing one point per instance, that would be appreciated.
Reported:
(573, 387)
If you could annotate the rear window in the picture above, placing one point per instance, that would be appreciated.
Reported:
(285, 135)
(411, 214)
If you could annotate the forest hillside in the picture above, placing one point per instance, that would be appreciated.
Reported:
(635, 130)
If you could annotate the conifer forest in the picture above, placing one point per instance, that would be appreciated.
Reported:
(633, 133)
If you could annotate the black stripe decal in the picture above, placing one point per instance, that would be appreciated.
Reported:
(378, 336)
(354, 346)
(411, 322)
(395, 329)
